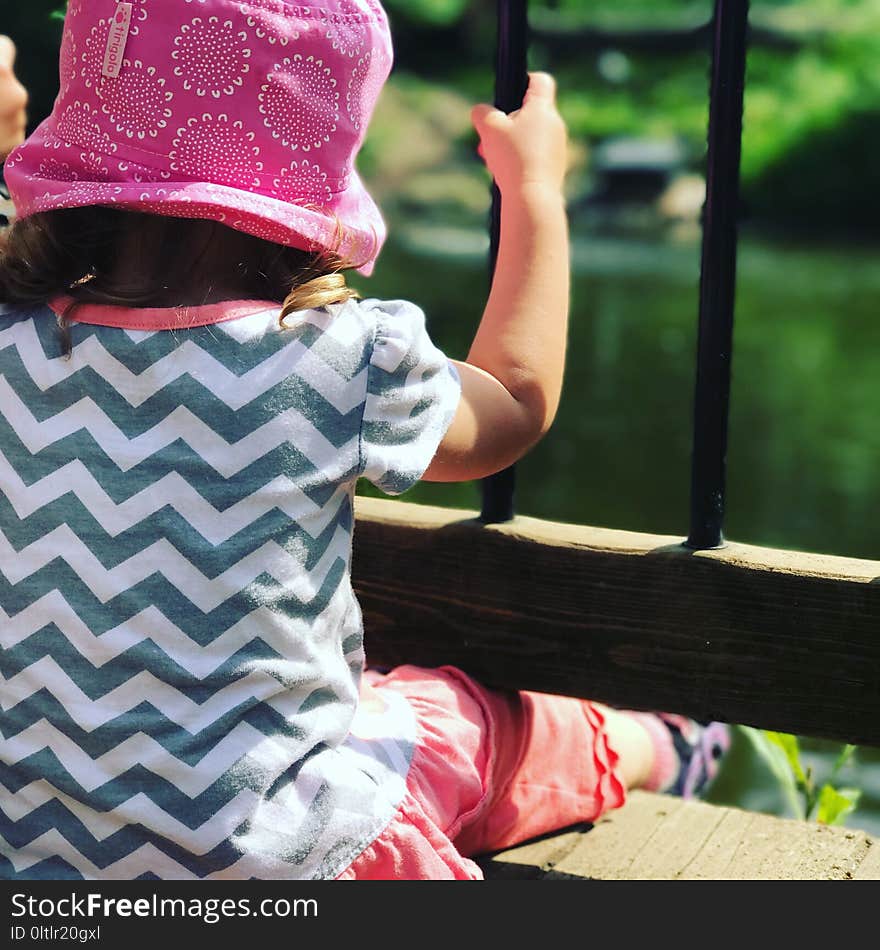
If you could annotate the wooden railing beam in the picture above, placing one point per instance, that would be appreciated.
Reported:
(776, 639)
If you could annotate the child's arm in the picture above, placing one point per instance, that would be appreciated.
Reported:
(512, 378)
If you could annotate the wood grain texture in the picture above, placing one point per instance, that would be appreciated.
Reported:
(658, 837)
(774, 639)
(869, 869)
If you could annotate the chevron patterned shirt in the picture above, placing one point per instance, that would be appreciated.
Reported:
(181, 645)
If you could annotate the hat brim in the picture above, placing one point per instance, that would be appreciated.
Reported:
(309, 226)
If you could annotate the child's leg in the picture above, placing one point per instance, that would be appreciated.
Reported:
(494, 768)
(557, 761)
(634, 744)
(662, 752)
(554, 783)
(687, 754)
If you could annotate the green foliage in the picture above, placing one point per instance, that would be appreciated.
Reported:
(776, 759)
(808, 800)
(432, 12)
(836, 804)
(811, 126)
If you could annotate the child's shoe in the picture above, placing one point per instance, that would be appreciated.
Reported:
(699, 749)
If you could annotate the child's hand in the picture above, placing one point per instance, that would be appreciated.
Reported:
(13, 101)
(528, 146)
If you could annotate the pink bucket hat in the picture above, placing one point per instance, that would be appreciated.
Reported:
(248, 112)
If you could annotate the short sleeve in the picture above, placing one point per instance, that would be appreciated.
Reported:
(413, 392)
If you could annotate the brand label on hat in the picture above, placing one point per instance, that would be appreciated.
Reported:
(119, 27)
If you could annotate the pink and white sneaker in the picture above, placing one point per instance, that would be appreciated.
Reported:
(700, 749)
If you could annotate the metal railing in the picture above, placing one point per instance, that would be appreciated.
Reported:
(511, 80)
(718, 262)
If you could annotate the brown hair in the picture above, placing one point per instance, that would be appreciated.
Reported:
(132, 259)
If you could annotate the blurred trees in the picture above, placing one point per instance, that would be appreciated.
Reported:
(639, 67)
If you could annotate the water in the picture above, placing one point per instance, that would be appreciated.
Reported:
(804, 440)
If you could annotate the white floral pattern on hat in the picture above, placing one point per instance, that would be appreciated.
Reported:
(250, 112)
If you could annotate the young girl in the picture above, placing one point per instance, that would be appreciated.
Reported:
(188, 395)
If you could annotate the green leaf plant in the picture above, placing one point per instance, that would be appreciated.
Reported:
(808, 800)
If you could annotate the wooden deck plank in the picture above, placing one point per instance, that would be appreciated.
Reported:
(614, 845)
(869, 869)
(676, 842)
(658, 837)
(775, 639)
(793, 850)
(712, 860)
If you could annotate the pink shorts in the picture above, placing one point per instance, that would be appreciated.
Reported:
(490, 769)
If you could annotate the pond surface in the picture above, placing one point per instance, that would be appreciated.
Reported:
(804, 455)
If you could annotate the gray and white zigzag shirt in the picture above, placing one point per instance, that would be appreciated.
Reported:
(181, 645)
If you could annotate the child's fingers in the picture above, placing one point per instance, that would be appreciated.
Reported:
(7, 52)
(541, 86)
(13, 101)
(484, 116)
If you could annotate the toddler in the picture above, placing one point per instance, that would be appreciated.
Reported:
(189, 393)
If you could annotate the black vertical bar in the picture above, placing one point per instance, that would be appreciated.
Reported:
(511, 81)
(718, 275)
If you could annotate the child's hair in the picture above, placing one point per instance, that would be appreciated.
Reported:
(74, 253)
